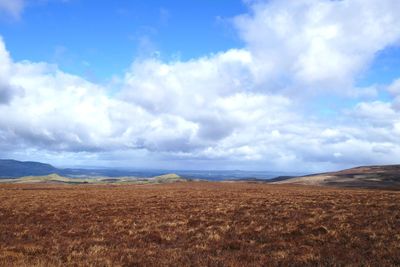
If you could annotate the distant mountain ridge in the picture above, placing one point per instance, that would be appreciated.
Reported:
(10, 168)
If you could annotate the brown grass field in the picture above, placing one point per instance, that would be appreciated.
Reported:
(197, 224)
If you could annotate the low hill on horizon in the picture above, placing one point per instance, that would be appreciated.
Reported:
(57, 179)
(379, 176)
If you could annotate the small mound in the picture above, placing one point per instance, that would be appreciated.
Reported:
(168, 178)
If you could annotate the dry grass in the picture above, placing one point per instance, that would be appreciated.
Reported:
(197, 224)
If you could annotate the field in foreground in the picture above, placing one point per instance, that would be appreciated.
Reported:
(197, 224)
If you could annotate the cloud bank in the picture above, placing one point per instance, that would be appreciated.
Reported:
(247, 107)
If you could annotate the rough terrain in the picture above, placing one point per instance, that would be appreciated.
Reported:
(197, 224)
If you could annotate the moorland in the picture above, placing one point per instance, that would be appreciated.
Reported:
(197, 224)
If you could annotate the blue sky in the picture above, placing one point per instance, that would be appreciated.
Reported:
(98, 39)
(384, 68)
(102, 41)
(305, 85)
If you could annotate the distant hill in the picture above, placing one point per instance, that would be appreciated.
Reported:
(57, 179)
(17, 169)
(12, 168)
(385, 176)
(13, 171)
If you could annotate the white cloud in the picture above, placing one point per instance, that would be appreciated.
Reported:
(245, 107)
(7, 90)
(326, 42)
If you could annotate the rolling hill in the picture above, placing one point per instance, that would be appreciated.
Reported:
(57, 179)
(16, 169)
(385, 177)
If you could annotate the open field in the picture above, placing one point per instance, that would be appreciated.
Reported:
(197, 224)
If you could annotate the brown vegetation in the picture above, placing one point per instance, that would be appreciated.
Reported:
(197, 224)
(382, 177)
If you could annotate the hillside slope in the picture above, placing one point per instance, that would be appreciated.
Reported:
(13, 168)
(386, 176)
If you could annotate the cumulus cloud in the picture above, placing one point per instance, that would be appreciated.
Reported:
(326, 42)
(245, 106)
(7, 90)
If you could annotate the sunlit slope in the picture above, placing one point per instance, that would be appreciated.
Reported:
(55, 178)
(367, 176)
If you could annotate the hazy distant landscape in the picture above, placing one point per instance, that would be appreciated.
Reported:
(17, 169)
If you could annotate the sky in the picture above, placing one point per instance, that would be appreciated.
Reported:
(279, 85)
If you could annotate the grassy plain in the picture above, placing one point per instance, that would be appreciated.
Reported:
(197, 224)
